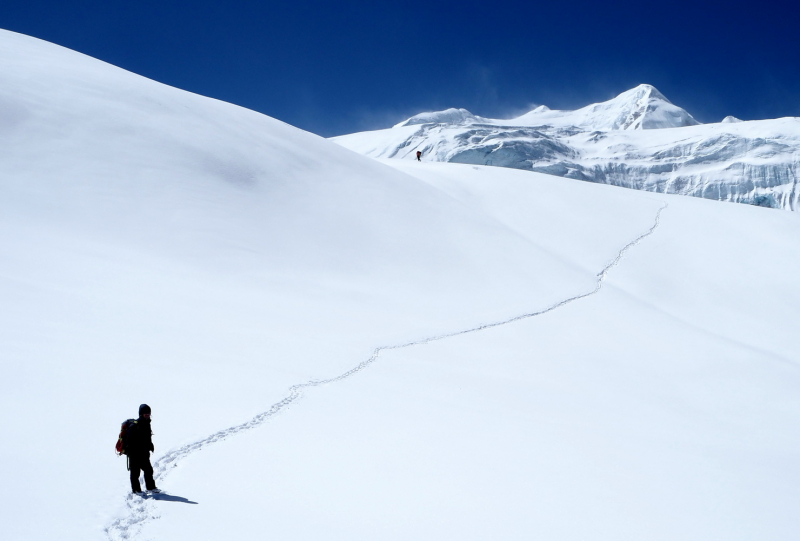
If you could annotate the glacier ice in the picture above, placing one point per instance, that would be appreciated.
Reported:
(638, 140)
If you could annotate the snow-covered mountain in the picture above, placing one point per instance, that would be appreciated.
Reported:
(637, 140)
(335, 346)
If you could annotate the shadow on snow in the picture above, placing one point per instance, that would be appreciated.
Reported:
(169, 498)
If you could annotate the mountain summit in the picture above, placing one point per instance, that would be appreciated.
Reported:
(640, 108)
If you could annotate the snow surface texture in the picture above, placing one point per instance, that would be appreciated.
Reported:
(637, 140)
(161, 247)
(139, 512)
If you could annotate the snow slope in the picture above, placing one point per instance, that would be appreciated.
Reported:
(637, 140)
(162, 247)
(664, 405)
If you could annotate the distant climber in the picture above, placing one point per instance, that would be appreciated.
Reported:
(137, 444)
(419, 155)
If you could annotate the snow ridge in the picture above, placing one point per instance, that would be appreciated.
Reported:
(448, 116)
(638, 140)
(141, 510)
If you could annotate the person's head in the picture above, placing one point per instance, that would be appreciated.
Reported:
(144, 411)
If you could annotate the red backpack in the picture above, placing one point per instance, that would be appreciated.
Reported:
(122, 442)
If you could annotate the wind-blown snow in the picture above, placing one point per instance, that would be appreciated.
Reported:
(250, 281)
(637, 140)
(643, 107)
(449, 116)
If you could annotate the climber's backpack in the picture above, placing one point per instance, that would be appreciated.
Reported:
(122, 441)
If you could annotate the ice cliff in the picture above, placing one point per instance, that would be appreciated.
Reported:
(638, 140)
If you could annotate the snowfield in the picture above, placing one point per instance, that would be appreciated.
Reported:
(637, 140)
(341, 347)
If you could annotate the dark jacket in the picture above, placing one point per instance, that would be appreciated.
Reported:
(140, 438)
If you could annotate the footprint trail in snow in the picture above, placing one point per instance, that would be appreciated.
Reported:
(139, 511)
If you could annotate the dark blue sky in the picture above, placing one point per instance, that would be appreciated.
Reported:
(338, 67)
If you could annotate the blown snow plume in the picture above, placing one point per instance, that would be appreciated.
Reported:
(638, 140)
(641, 108)
(448, 116)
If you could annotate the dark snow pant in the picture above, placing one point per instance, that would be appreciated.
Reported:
(141, 463)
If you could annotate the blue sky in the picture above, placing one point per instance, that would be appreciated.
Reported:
(339, 67)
